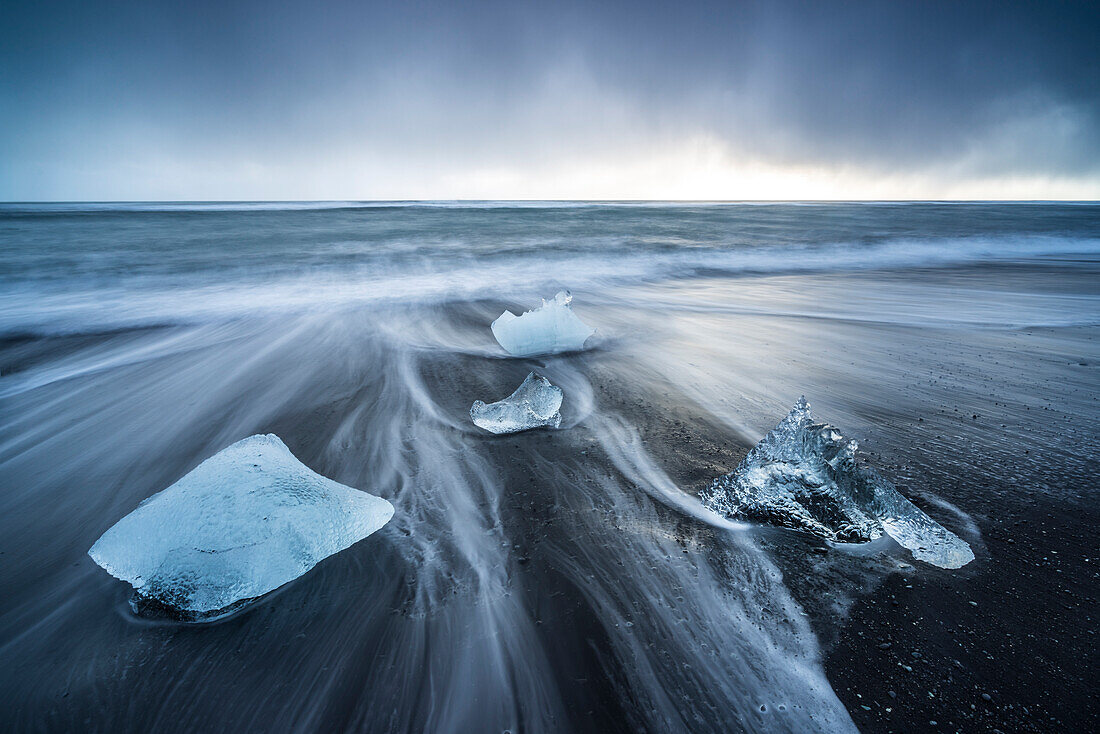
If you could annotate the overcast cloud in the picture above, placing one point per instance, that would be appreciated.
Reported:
(251, 100)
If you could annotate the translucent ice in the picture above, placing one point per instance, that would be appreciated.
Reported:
(550, 328)
(240, 524)
(804, 475)
(534, 404)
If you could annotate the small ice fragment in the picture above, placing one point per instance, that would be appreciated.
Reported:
(550, 328)
(534, 404)
(804, 475)
(240, 524)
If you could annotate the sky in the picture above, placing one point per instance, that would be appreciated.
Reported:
(232, 100)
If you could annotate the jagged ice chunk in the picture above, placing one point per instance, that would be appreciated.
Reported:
(550, 328)
(804, 475)
(534, 404)
(240, 524)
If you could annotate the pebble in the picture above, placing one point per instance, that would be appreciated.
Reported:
(987, 697)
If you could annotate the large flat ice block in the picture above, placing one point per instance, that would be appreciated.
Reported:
(804, 475)
(240, 524)
(549, 329)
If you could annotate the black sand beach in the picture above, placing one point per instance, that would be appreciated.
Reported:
(569, 579)
(549, 580)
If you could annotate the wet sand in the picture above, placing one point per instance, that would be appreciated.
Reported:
(554, 580)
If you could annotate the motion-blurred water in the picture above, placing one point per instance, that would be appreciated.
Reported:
(69, 268)
(549, 581)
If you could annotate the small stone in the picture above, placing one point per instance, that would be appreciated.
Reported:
(987, 697)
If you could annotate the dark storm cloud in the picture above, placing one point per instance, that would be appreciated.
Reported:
(102, 91)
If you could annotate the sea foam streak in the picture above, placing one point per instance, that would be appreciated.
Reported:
(444, 603)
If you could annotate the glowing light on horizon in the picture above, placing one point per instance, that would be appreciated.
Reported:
(705, 169)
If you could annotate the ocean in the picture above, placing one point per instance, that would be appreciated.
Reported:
(568, 579)
(76, 267)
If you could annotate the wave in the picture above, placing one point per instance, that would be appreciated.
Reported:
(73, 305)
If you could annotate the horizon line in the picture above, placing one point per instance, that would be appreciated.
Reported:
(562, 200)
